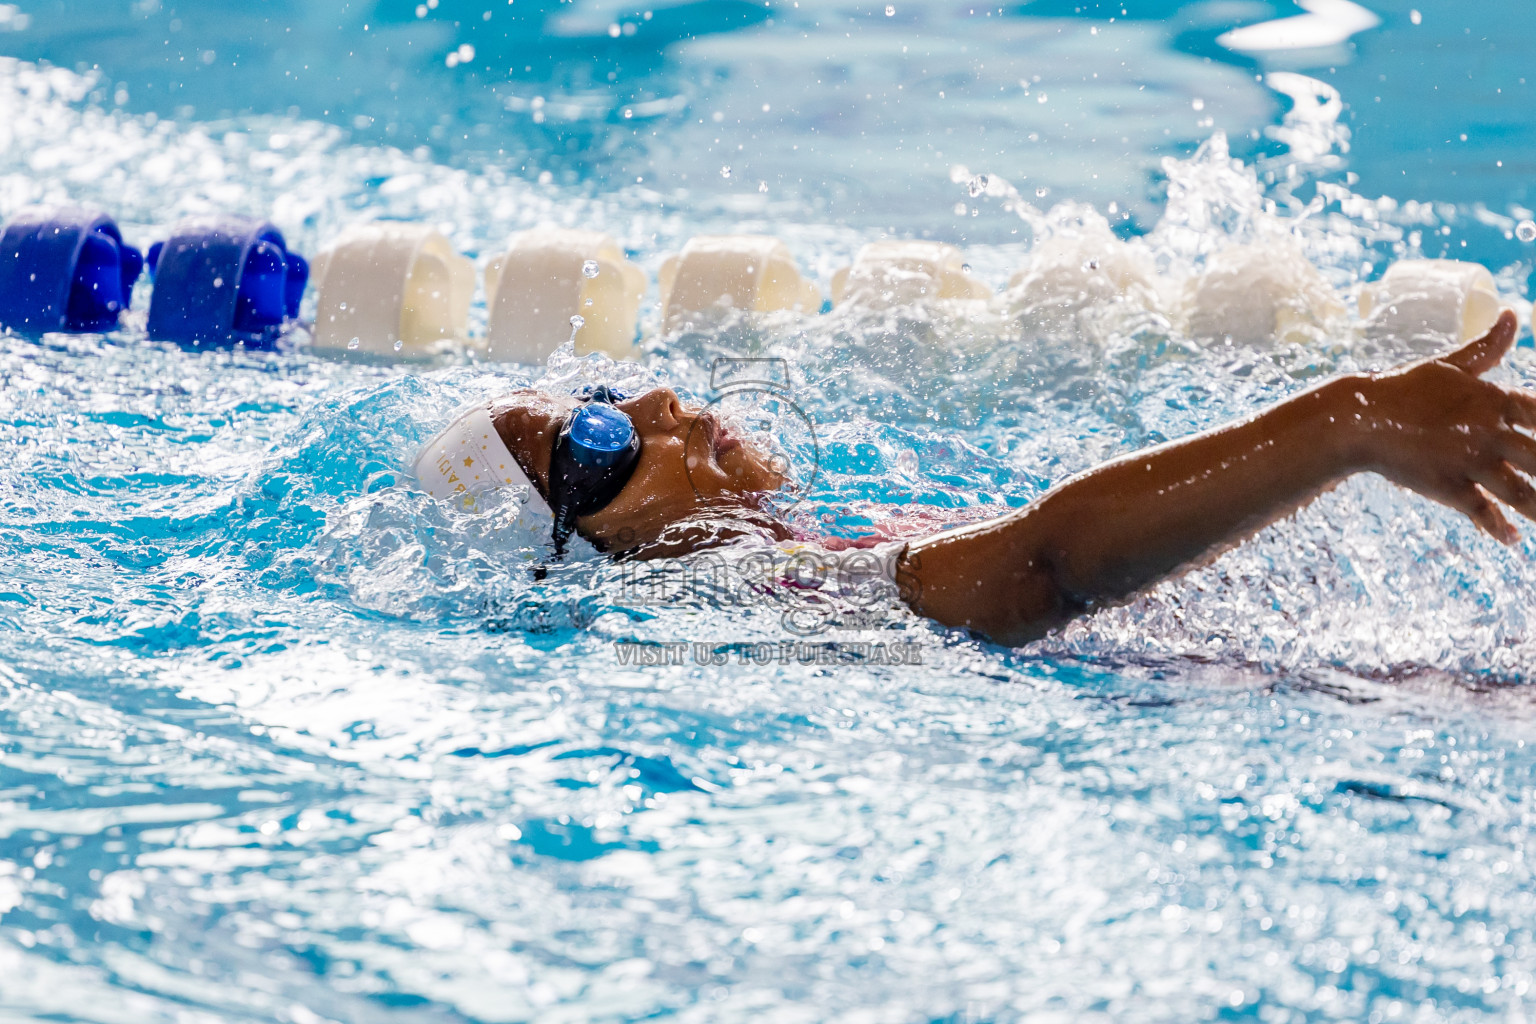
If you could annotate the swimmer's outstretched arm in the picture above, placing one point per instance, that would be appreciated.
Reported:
(1106, 534)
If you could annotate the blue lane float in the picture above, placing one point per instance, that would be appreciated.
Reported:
(64, 269)
(222, 281)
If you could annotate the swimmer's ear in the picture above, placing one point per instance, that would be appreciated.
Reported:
(1479, 356)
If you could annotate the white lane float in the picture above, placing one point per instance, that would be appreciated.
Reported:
(546, 277)
(1430, 303)
(1069, 272)
(893, 273)
(391, 289)
(1253, 294)
(754, 273)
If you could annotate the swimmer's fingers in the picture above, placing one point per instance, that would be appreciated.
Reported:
(1519, 407)
(1510, 486)
(1483, 354)
(1519, 449)
(1478, 505)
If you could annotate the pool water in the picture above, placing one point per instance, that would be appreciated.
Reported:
(281, 739)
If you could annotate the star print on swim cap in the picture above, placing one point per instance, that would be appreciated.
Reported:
(469, 461)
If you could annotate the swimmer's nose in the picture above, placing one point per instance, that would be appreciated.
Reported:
(660, 409)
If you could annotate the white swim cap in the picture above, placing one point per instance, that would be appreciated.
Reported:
(469, 460)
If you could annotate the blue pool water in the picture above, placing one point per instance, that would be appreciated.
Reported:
(283, 740)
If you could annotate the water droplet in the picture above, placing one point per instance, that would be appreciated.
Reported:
(589, 269)
(578, 322)
(399, 344)
(1042, 192)
(978, 185)
(1041, 98)
(218, 282)
(762, 186)
(965, 268)
(354, 343)
(1090, 264)
(890, 11)
(725, 172)
(1415, 17)
(1197, 103)
(1526, 231)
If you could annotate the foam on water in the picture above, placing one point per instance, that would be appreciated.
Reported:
(284, 740)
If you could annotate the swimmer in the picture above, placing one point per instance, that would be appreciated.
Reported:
(682, 482)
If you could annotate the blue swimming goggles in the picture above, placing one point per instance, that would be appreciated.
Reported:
(594, 457)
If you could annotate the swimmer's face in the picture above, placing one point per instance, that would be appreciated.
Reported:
(690, 463)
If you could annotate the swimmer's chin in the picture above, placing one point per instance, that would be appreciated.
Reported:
(752, 468)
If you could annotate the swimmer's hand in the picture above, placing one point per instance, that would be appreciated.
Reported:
(1437, 428)
(1105, 535)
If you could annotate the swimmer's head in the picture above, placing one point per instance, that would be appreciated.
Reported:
(690, 465)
